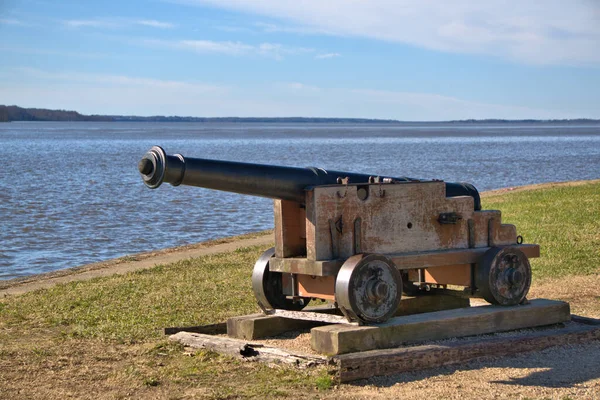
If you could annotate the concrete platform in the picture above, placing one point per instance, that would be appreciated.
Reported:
(258, 326)
(340, 339)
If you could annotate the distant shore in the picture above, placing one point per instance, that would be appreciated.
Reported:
(17, 114)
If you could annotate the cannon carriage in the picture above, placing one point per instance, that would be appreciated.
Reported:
(362, 240)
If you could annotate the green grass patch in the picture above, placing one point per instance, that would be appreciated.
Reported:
(564, 221)
(136, 306)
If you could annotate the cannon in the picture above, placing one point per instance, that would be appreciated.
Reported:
(363, 240)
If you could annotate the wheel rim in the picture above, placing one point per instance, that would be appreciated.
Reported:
(504, 276)
(267, 286)
(368, 288)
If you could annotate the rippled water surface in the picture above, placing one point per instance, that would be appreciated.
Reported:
(70, 193)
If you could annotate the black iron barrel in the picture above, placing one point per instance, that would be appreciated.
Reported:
(276, 182)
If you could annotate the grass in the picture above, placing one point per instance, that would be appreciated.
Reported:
(103, 337)
(105, 318)
(134, 307)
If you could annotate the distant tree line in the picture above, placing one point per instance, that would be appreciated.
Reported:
(15, 113)
(523, 121)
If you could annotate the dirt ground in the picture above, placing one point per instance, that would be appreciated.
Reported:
(568, 372)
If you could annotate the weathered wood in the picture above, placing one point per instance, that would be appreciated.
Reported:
(340, 339)
(290, 225)
(316, 286)
(392, 361)
(394, 218)
(403, 261)
(257, 326)
(247, 351)
(438, 258)
(299, 265)
(427, 303)
(311, 316)
(459, 275)
(212, 329)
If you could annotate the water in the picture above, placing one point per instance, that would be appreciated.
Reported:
(70, 193)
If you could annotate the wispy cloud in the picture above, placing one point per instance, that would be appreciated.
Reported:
(13, 22)
(209, 46)
(109, 94)
(116, 23)
(408, 106)
(155, 24)
(272, 50)
(328, 55)
(532, 32)
(297, 29)
(123, 94)
(298, 86)
(53, 52)
(109, 79)
(91, 23)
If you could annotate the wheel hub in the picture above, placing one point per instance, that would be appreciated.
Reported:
(504, 276)
(368, 288)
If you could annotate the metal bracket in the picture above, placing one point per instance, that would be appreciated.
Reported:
(343, 181)
(357, 235)
(335, 229)
(449, 218)
(379, 180)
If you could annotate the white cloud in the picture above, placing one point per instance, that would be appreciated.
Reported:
(527, 31)
(273, 28)
(91, 23)
(155, 24)
(273, 50)
(298, 86)
(16, 22)
(115, 23)
(447, 107)
(328, 55)
(209, 46)
(108, 79)
(54, 52)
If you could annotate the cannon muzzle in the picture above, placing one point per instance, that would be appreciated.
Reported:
(276, 182)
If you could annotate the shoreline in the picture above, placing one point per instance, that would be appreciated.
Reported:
(150, 259)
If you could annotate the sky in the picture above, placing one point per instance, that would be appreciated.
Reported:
(412, 60)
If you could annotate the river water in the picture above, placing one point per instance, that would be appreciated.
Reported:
(70, 193)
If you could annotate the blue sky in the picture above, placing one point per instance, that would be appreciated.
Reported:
(415, 60)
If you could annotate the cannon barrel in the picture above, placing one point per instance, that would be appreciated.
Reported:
(276, 182)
